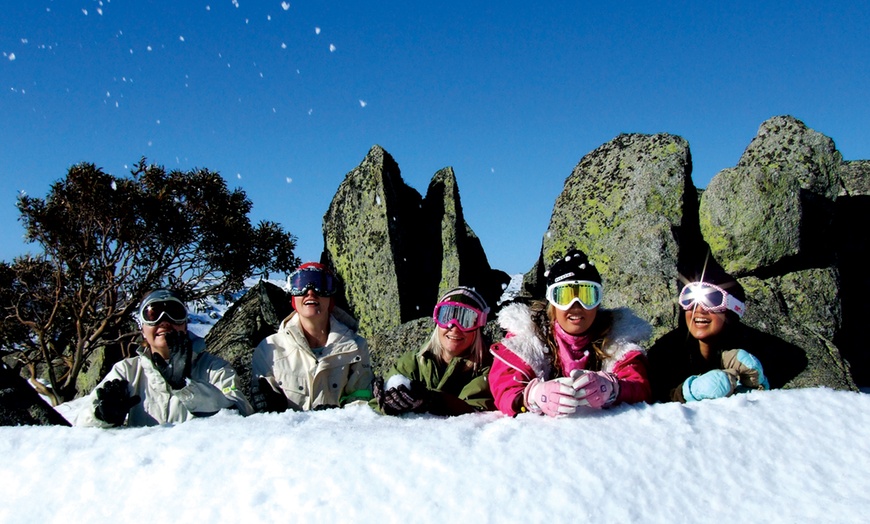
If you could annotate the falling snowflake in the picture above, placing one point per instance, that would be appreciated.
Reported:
(378, 199)
(148, 48)
(285, 5)
(331, 48)
(310, 111)
(289, 180)
(316, 30)
(85, 11)
(363, 103)
(181, 38)
(158, 121)
(269, 18)
(208, 8)
(283, 45)
(114, 185)
(11, 57)
(239, 176)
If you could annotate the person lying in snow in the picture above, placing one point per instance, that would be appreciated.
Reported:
(708, 361)
(566, 352)
(172, 379)
(316, 360)
(447, 376)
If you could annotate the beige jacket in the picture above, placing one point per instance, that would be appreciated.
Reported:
(211, 387)
(341, 374)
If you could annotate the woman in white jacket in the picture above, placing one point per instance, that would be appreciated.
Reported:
(171, 379)
(316, 360)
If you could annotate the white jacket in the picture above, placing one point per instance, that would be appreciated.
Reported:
(342, 373)
(211, 387)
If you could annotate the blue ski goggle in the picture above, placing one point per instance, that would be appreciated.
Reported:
(315, 279)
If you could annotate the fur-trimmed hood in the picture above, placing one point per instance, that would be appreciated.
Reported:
(628, 330)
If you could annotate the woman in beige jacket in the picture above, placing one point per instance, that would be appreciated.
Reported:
(172, 379)
(316, 360)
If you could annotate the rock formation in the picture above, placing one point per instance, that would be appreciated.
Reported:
(630, 206)
(395, 251)
(251, 319)
(20, 405)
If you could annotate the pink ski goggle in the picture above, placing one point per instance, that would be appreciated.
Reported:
(463, 316)
(711, 298)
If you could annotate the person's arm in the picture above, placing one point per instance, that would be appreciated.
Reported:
(474, 396)
(87, 416)
(633, 377)
(507, 384)
(213, 386)
(359, 380)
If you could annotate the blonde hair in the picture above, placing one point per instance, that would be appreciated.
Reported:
(474, 353)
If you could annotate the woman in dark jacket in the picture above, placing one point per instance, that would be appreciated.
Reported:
(706, 359)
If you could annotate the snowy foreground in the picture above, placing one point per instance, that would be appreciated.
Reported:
(780, 456)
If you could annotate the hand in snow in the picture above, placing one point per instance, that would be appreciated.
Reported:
(114, 402)
(712, 384)
(552, 397)
(402, 399)
(266, 399)
(596, 389)
(747, 367)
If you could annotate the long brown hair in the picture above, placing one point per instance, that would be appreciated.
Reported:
(544, 316)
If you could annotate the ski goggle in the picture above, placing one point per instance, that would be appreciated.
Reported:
(711, 298)
(463, 316)
(171, 308)
(315, 279)
(563, 294)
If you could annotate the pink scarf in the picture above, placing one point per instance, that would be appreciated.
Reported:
(573, 349)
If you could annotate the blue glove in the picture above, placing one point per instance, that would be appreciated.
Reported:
(747, 367)
(712, 384)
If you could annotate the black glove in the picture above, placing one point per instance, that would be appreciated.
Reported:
(114, 402)
(266, 399)
(402, 399)
(180, 358)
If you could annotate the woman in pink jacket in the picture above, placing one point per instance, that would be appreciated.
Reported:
(566, 352)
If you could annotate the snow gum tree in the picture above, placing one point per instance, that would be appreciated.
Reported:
(107, 240)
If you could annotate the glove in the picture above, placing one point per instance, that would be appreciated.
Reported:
(402, 399)
(266, 399)
(552, 397)
(114, 402)
(712, 384)
(180, 357)
(747, 367)
(596, 389)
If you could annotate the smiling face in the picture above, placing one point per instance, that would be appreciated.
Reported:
(704, 325)
(454, 341)
(311, 305)
(155, 336)
(576, 320)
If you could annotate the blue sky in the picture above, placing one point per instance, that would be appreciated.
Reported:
(284, 99)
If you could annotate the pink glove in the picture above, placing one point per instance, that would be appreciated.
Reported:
(553, 397)
(596, 389)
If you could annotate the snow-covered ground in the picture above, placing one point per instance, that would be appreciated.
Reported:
(777, 456)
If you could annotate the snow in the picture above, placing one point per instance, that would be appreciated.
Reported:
(774, 456)
(778, 456)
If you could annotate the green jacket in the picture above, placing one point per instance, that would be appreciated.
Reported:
(455, 389)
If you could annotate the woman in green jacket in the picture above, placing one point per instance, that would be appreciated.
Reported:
(447, 376)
